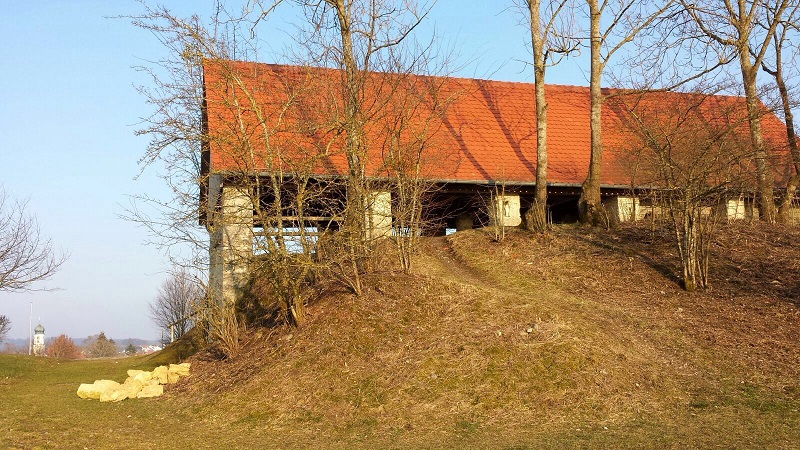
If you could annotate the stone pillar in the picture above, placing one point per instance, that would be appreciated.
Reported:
(231, 244)
(505, 210)
(731, 209)
(623, 209)
(737, 209)
(464, 222)
(794, 216)
(379, 214)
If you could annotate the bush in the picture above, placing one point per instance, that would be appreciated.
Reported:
(63, 347)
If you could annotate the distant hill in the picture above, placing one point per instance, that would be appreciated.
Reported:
(121, 343)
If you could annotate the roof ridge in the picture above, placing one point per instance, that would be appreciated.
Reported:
(450, 77)
(564, 87)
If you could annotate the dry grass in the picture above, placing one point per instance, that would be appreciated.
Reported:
(581, 338)
(579, 327)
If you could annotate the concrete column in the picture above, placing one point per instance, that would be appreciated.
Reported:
(731, 209)
(737, 208)
(505, 210)
(794, 216)
(379, 214)
(623, 209)
(231, 244)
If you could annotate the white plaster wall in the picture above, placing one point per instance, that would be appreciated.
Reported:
(379, 214)
(794, 216)
(624, 209)
(505, 211)
(737, 208)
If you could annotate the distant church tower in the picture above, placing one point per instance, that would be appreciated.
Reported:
(38, 340)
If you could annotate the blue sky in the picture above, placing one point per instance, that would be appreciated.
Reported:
(68, 112)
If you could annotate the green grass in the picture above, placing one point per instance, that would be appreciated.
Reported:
(40, 410)
(40, 407)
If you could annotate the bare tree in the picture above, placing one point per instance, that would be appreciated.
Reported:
(371, 43)
(612, 25)
(5, 327)
(26, 255)
(177, 136)
(175, 302)
(733, 26)
(688, 149)
(259, 135)
(276, 128)
(551, 40)
(175, 129)
(780, 42)
(364, 39)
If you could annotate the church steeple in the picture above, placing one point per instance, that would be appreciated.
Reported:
(38, 340)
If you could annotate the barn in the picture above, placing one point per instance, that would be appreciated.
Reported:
(472, 141)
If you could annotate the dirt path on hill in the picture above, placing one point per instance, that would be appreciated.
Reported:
(438, 252)
(440, 249)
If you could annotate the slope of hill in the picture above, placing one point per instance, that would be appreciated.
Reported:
(579, 337)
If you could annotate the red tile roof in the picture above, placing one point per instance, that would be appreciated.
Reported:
(273, 117)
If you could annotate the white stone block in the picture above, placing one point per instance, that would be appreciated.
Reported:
(623, 209)
(504, 210)
(151, 391)
(379, 214)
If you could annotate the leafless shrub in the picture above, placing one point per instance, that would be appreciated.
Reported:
(496, 207)
(63, 347)
(222, 326)
(691, 153)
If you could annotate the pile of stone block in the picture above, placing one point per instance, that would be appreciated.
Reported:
(139, 384)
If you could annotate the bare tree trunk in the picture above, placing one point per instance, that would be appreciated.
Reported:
(794, 180)
(353, 126)
(537, 215)
(689, 247)
(355, 217)
(590, 207)
(763, 168)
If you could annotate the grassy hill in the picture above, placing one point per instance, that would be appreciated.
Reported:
(578, 339)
